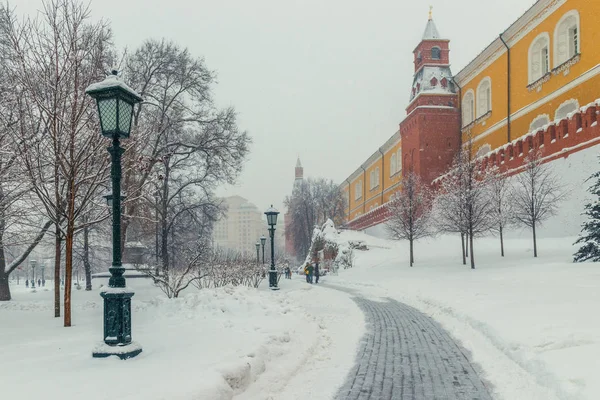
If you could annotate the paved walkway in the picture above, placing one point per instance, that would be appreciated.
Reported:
(406, 355)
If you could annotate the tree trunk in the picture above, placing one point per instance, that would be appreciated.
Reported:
(501, 243)
(57, 245)
(86, 258)
(534, 240)
(412, 259)
(471, 243)
(4, 287)
(68, 273)
(462, 252)
(467, 246)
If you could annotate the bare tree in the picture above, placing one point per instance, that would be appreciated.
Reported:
(54, 58)
(502, 206)
(463, 204)
(537, 196)
(410, 212)
(312, 202)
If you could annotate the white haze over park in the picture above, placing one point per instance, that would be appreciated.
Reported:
(324, 80)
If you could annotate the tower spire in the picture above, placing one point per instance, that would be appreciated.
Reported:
(430, 13)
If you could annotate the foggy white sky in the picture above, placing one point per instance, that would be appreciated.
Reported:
(327, 80)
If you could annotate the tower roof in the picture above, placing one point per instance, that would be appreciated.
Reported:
(431, 31)
(298, 163)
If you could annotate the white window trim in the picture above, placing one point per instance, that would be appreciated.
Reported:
(485, 80)
(543, 35)
(399, 161)
(393, 164)
(483, 150)
(358, 189)
(469, 95)
(572, 13)
(564, 104)
(544, 117)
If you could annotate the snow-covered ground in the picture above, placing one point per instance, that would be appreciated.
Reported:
(211, 344)
(531, 324)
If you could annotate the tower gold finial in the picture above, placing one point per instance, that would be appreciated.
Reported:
(430, 13)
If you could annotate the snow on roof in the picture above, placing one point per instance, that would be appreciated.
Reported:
(424, 82)
(112, 81)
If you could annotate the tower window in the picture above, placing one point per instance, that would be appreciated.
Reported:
(436, 53)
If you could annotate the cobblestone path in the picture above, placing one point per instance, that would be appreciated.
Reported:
(406, 355)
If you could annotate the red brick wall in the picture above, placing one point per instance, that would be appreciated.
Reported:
(425, 49)
(430, 139)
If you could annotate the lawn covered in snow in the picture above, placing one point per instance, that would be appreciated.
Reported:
(531, 324)
(209, 344)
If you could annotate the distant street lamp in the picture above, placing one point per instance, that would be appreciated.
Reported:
(271, 214)
(43, 267)
(33, 263)
(263, 240)
(115, 101)
(257, 253)
(109, 199)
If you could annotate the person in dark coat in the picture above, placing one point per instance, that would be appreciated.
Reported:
(39, 283)
(27, 283)
(317, 273)
(311, 270)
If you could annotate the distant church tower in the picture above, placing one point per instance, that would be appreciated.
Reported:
(289, 238)
(431, 131)
(299, 171)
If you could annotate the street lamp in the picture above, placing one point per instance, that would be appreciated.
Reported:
(115, 101)
(257, 253)
(263, 240)
(43, 267)
(109, 199)
(33, 263)
(271, 214)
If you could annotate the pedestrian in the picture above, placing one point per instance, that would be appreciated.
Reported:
(317, 272)
(306, 273)
(39, 283)
(43, 282)
(311, 269)
(27, 283)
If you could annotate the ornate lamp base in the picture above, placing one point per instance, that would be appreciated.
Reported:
(117, 325)
(103, 350)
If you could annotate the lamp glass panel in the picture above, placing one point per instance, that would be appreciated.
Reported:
(125, 112)
(108, 114)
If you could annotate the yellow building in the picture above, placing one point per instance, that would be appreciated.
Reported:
(536, 86)
(372, 184)
(542, 68)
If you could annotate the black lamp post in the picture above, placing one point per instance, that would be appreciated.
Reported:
(33, 263)
(271, 214)
(263, 240)
(257, 253)
(115, 102)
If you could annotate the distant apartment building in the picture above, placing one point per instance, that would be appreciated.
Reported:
(242, 226)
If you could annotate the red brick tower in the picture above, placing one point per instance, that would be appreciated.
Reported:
(431, 130)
